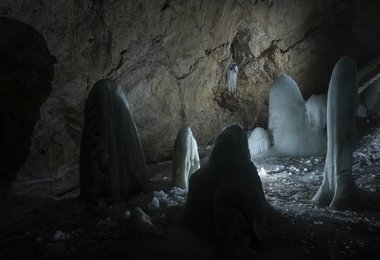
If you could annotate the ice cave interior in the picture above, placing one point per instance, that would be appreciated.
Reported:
(167, 129)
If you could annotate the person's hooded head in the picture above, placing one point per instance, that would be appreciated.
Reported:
(231, 145)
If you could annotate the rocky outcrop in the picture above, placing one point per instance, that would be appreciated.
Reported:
(170, 57)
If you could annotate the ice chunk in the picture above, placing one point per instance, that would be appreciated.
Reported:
(127, 214)
(297, 129)
(179, 196)
(154, 204)
(232, 72)
(140, 214)
(139, 221)
(258, 141)
(162, 197)
(174, 197)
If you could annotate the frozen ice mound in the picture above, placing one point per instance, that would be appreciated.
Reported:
(316, 107)
(297, 128)
(258, 141)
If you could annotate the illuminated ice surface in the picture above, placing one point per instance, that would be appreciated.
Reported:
(290, 183)
(296, 126)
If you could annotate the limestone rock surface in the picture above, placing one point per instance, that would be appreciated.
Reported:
(170, 58)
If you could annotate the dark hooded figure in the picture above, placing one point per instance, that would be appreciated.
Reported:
(226, 200)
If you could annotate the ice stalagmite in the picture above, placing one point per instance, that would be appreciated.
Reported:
(297, 128)
(185, 157)
(112, 162)
(316, 107)
(338, 189)
(258, 141)
(316, 135)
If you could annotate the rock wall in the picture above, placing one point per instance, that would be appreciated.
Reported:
(170, 57)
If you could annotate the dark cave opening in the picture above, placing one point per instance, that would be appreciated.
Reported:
(26, 73)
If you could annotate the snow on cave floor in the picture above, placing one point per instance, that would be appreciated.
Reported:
(298, 229)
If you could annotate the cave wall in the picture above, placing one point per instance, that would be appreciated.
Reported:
(170, 57)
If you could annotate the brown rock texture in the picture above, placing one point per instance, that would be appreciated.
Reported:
(171, 57)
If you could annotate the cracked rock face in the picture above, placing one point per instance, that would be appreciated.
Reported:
(171, 57)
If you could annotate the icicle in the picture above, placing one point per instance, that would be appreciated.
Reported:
(232, 72)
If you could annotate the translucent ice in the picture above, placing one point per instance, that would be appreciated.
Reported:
(316, 107)
(338, 189)
(154, 204)
(297, 128)
(232, 72)
(258, 141)
(173, 198)
(185, 157)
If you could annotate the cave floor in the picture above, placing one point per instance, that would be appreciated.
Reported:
(297, 229)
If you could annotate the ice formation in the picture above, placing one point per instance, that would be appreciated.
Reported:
(112, 162)
(154, 204)
(173, 198)
(139, 221)
(305, 176)
(185, 158)
(316, 107)
(232, 72)
(338, 189)
(258, 141)
(297, 128)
